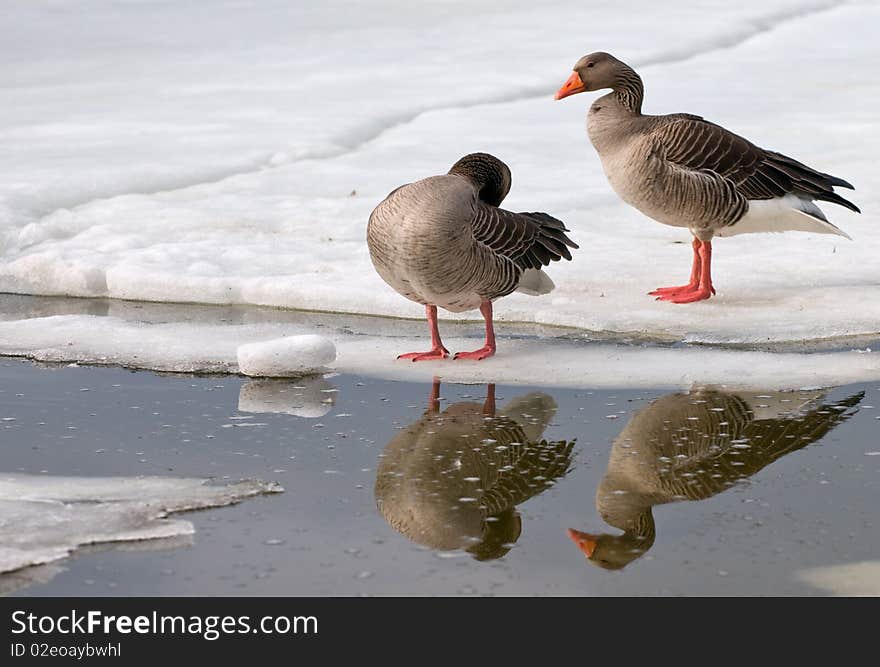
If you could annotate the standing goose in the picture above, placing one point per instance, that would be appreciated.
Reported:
(692, 446)
(684, 171)
(443, 241)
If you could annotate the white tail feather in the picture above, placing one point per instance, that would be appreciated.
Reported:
(782, 214)
(535, 282)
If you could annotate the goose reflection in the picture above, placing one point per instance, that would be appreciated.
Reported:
(453, 479)
(691, 446)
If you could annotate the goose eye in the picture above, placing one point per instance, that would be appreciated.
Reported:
(590, 64)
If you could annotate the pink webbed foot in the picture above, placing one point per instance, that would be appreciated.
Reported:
(435, 354)
(476, 355)
(700, 285)
(690, 297)
(663, 292)
(688, 292)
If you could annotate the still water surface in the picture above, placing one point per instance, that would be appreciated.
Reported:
(395, 488)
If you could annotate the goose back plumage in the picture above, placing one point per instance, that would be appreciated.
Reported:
(444, 241)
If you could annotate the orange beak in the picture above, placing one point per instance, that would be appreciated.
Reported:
(572, 86)
(585, 541)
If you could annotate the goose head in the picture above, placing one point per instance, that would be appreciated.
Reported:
(489, 175)
(593, 72)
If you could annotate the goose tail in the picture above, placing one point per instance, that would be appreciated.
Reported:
(535, 282)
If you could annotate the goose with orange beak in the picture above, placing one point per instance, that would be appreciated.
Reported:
(684, 171)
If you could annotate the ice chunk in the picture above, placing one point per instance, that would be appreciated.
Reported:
(44, 518)
(286, 357)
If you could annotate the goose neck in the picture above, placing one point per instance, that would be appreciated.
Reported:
(629, 90)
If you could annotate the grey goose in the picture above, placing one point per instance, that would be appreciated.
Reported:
(685, 171)
(692, 446)
(443, 241)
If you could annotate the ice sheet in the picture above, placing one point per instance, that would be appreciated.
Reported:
(238, 163)
(46, 518)
(205, 346)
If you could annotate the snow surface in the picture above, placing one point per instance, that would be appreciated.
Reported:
(44, 518)
(285, 357)
(228, 152)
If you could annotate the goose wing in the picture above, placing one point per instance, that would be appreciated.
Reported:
(530, 240)
(695, 144)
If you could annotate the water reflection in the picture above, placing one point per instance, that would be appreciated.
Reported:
(691, 446)
(310, 397)
(453, 479)
(28, 576)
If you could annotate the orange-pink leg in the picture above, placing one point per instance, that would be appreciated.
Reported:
(437, 350)
(694, 282)
(700, 285)
(489, 348)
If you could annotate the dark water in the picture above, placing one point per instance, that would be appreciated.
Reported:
(714, 493)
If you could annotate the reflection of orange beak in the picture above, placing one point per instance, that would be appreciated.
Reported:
(570, 87)
(585, 541)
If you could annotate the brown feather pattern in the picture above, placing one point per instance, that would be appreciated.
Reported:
(443, 240)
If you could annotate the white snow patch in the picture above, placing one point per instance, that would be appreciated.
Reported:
(286, 357)
(45, 518)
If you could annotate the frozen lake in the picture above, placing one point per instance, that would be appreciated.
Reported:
(803, 525)
(178, 203)
(238, 163)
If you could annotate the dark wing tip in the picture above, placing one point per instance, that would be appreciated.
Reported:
(837, 199)
(552, 227)
(839, 182)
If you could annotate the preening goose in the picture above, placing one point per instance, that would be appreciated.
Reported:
(684, 171)
(443, 241)
(453, 479)
(692, 446)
